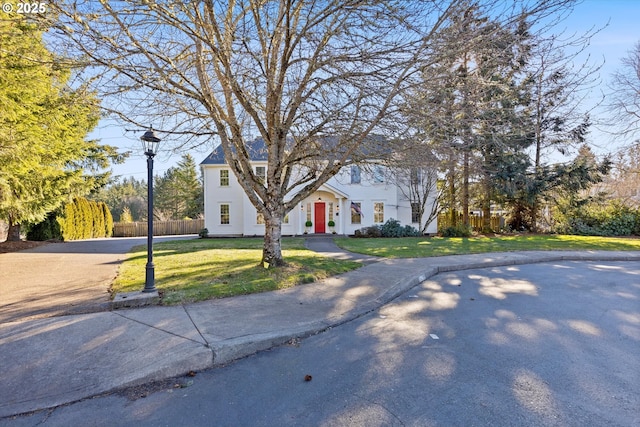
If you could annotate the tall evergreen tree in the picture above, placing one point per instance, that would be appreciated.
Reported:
(471, 106)
(178, 193)
(43, 126)
(128, 193)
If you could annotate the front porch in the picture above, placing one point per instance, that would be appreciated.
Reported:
(320, 212)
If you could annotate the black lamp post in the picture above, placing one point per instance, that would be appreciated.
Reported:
(150, 143)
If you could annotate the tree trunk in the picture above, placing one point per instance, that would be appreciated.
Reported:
(486, 207)
(272, 249)
(465, 189)
(452, 193)
(13, 235)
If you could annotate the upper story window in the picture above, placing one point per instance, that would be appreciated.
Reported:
(355, 174)
(261, 173)
(224, 178)
(378, 174)
(416, 177)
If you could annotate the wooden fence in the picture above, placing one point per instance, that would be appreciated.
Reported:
(475, 221)
(160, 228)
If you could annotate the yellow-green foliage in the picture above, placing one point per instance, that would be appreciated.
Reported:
(84, 219)
(126, 215)
(108, 219)
(43, 127)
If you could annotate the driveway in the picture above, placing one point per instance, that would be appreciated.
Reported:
(62, 278)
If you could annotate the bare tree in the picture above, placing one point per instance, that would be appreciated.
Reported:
(624, 99)
(560, 85)
(415, 172)
(623, 183)
(292, 72)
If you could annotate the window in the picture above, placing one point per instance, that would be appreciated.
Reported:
(356, 213)
(260, 219)
(224, 214)
(355, 174)
(416, 177)
(261, 173)
(308, 212)
(330, 211)
(415, 212)
(378, 175)
(224, 178)
(378, 212)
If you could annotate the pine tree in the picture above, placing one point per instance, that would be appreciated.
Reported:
(43, 124)
(470, 110)
(178, 194)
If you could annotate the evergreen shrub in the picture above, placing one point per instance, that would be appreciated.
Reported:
(46, 230)
(599, 219)
(391, 228)
(459, 230)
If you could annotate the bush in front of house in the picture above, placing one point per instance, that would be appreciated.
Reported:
(391, 228)
(460, 230)
(600, 219)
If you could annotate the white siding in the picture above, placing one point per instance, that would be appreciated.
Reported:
(215, 195)
(338, 191)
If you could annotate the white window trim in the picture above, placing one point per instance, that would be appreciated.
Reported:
(220, 204)
(374, 212)
(220, 178)
(350, 214)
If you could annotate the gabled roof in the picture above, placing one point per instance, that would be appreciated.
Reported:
(257, 152)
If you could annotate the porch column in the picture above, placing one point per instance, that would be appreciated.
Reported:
(301, 218)
(340, 216)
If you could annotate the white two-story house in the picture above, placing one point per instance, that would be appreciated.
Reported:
(356, 197)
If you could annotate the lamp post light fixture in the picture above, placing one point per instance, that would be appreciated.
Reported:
(150, 143)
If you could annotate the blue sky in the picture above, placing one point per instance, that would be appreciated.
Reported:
(611, 44)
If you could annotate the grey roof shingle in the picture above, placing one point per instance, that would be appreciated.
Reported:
(256, 148)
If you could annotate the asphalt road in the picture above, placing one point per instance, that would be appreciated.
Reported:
(552, 344)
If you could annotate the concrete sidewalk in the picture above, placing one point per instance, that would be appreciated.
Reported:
(53, 361)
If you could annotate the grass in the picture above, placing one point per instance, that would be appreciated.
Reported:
(196, 270)
(416, 247)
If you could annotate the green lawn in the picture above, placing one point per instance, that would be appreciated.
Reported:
(416, 247)
(200, 269)
(196, 270)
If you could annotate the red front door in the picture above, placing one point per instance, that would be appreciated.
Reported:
(319, 218)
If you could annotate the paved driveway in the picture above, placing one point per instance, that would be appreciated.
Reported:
(61, 278)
